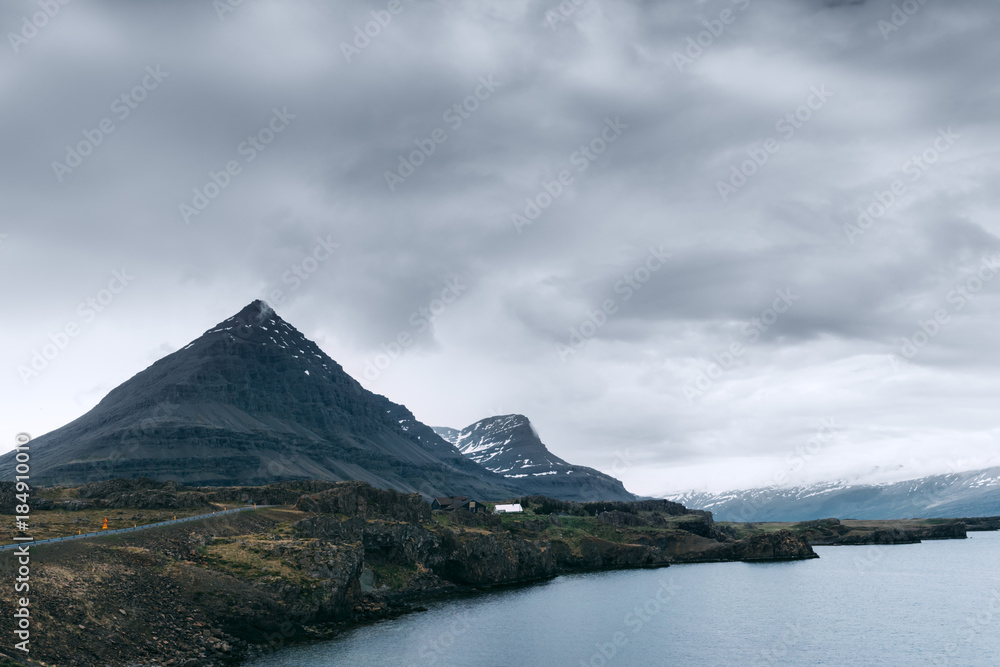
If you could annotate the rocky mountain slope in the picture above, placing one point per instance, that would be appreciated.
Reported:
(508, 445)
(956, 495)
(254, 401)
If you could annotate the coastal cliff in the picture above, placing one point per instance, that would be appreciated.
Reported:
(832, 532)
(219, 590)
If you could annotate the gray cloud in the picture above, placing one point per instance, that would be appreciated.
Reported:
(617, 402)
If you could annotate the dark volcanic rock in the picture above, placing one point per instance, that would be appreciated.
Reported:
(982, 523)
(823, 531)
(480, 560)
(399, 543)
(782, 545)
(112, 487)
(141, 493)
(598, 554)
(619, 519)
(665, 507)
(880, 536)
(363, 501)
(907, 534)
(477, 520)
(280, 493)
(546, 505)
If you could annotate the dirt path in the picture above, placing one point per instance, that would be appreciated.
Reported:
(35, 543)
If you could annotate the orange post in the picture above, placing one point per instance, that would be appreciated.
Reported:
(105, 526)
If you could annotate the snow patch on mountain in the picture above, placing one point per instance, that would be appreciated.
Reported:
(952, 495)
(509, 445)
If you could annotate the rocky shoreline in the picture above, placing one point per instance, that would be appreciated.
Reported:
(333, 556)
(836, 532)
(225, 589)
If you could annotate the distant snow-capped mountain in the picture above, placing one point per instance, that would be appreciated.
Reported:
(964, 494)
(508, 445)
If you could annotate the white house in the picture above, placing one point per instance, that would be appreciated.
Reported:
(507, 509)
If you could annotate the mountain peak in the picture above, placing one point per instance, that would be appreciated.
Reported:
(509, 445)
(256, 313)
(509, 420)
(256, 309)
(252, 400)
(258, 323)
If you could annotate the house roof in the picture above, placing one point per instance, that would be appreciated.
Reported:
(449, 502)
(516, 507)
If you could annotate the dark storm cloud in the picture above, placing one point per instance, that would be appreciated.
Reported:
(355, 258)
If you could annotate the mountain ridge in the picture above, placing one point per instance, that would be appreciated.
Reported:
(946, 496)
(252, 401)
(510, 446)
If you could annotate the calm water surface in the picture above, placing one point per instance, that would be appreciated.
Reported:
(936, 603)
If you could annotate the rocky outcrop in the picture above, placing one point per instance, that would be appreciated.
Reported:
(201, 594)
(140, 493)
(279, 493)
(982, 523)
(598, 554)
(661, 507)
(906, 534)
(358, 499)
(777, 546)
(620, 519)
(782, 545)
(823, 529)
(836, 532)
(399, 543)
(487, 560)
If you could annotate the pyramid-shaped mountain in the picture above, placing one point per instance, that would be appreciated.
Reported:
(253, 401)
(508, 445)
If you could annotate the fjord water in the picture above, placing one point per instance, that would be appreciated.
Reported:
(935, 603)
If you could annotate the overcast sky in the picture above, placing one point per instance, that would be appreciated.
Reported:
(672, 181)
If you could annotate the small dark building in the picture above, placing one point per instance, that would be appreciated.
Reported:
(452, 503)
(446, 502)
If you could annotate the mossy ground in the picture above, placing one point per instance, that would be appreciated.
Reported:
(251, 557)
(848, 528)
(396, 577)
(45, 524)
(569, 529)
